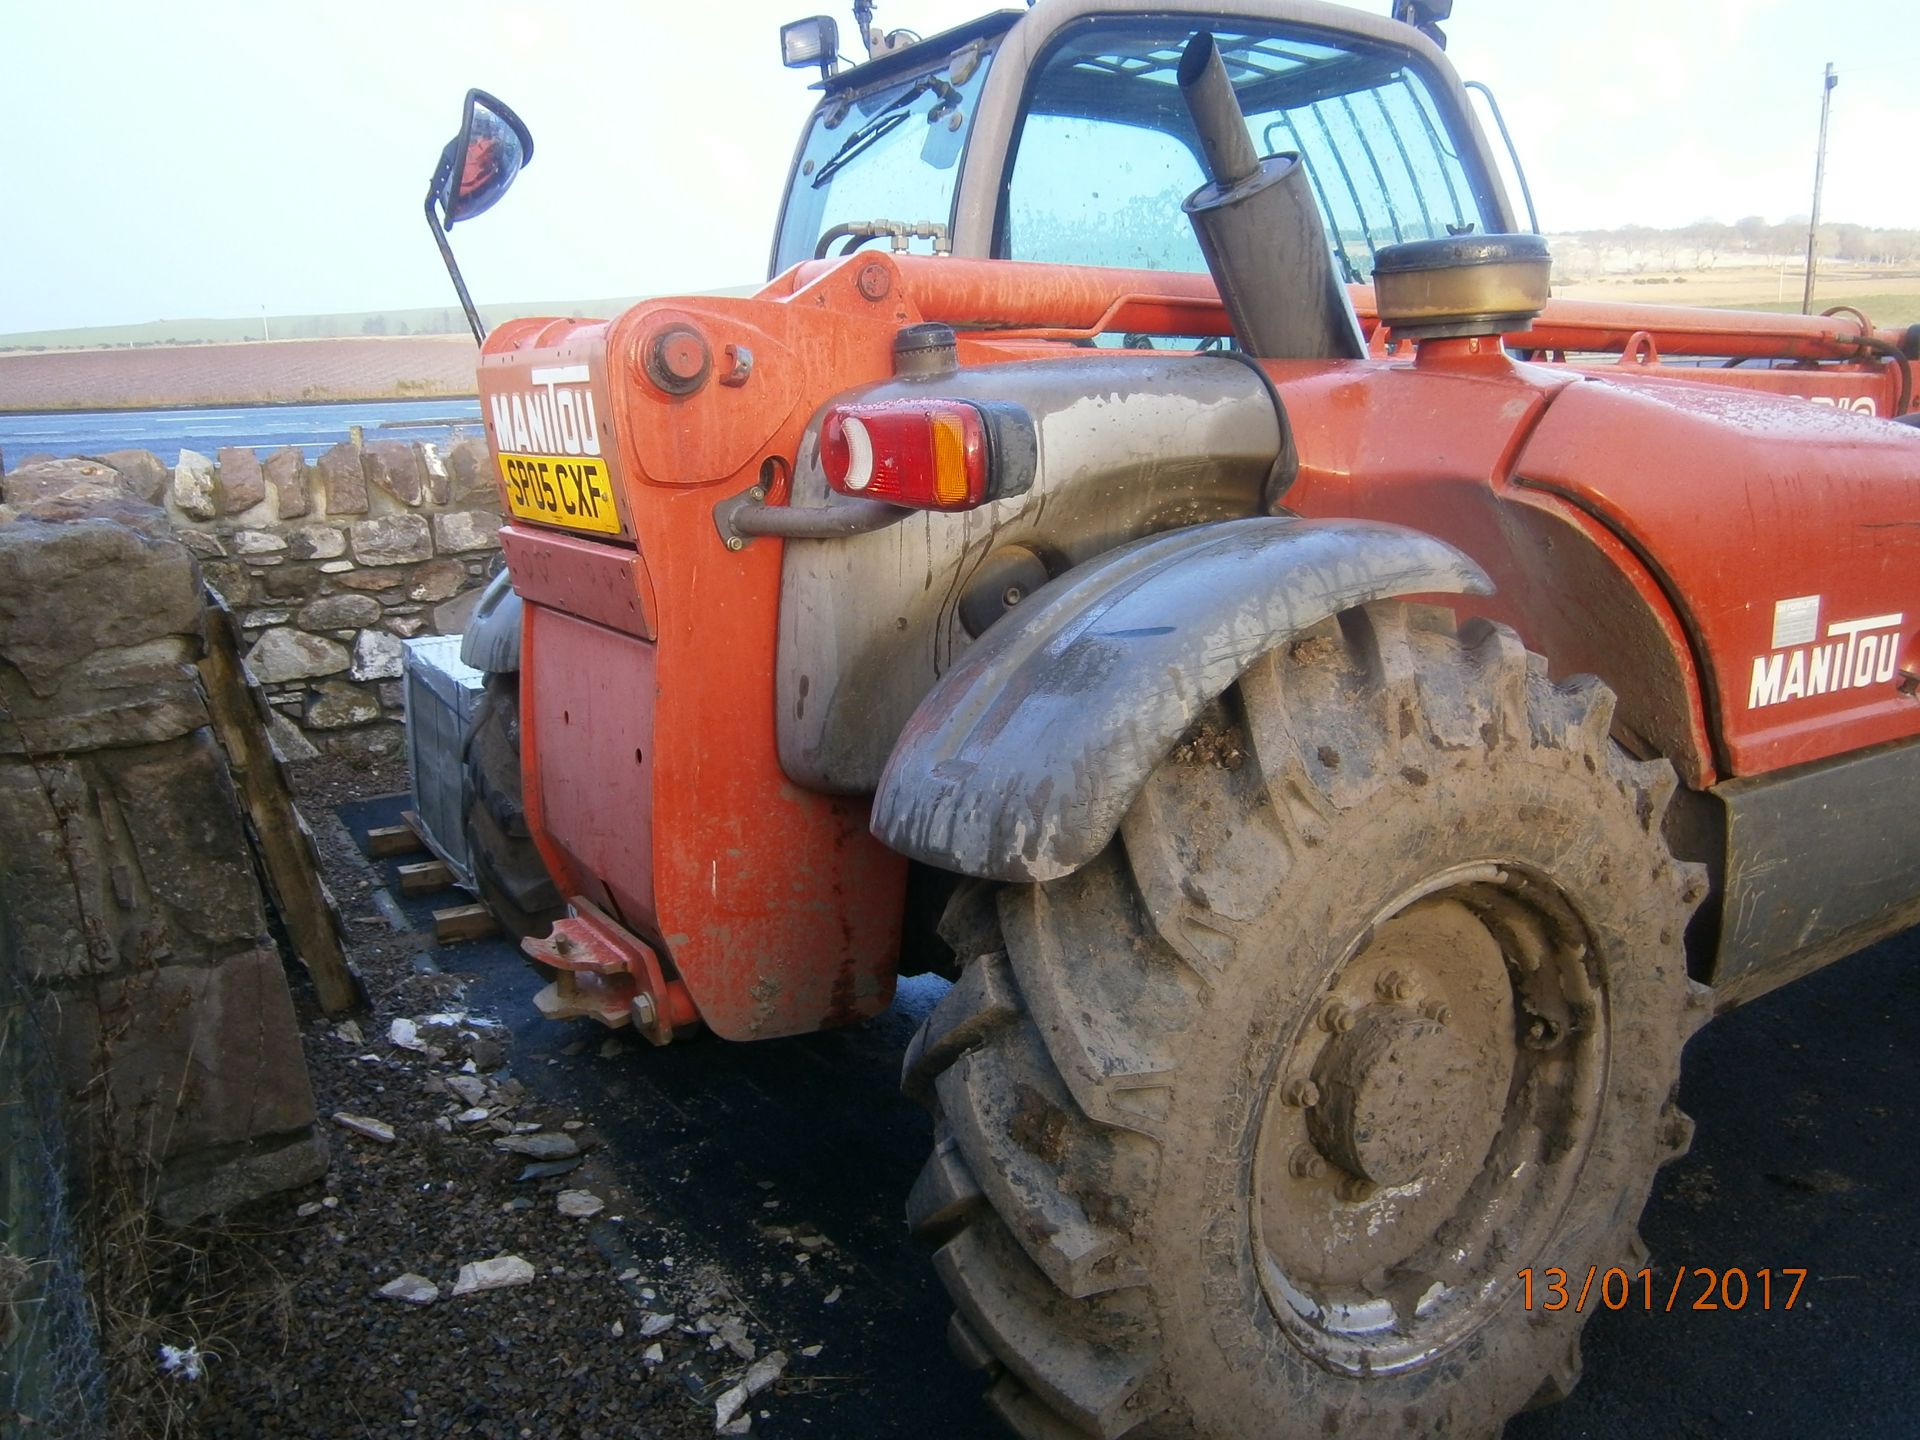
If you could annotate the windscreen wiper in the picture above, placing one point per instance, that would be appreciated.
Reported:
(890, 118)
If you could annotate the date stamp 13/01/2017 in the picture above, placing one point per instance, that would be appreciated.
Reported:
(1693, 1287)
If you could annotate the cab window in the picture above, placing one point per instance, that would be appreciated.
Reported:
(1105, 152)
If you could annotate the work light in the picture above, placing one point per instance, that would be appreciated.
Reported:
(813, 41)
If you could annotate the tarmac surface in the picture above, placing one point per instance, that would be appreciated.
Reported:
(1807, 1157)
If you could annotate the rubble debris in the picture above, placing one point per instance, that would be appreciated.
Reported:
(652, 1324)
(470, 1088)
(404, 1034)
(579, 1204)
(759, 1376)
(365, 1125)
(349, 1031)
(473, 1116)
(550, 1145)
(494, 1274)
(413, 1289)
(549, 1169)
(653, 1354)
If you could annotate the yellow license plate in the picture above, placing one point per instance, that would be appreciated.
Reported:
(561, 490)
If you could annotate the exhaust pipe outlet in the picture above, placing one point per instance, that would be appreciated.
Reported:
(1261, 231)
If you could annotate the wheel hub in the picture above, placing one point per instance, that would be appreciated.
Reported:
(1413, 1137)
(1400, 1092)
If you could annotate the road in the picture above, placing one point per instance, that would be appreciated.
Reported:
(1807, 1156)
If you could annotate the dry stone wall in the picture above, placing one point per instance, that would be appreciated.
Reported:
(129, 909)
(327, 566)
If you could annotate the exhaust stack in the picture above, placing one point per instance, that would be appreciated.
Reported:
(1261, 231)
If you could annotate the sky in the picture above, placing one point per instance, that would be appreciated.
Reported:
(216, 159)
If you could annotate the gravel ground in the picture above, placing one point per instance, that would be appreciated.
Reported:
(615, 1328)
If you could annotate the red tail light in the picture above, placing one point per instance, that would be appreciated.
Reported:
(930, 454)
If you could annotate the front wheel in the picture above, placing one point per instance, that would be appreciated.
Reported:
(1251, 1126)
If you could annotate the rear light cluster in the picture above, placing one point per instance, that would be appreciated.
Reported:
(928, 454)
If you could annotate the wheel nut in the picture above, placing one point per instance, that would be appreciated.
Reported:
(1437, 1011)
(1392, 985)
(1303, 1093)
(1306, 1163)
(1354, 1190)
(1336, 1018)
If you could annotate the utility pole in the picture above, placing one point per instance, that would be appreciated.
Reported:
(265, 323)
(1819, 179)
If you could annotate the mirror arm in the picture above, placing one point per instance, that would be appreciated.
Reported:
(453, 267)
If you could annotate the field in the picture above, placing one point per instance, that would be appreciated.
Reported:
(1887, 295)
(402, 368)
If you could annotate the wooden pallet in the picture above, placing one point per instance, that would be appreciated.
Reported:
(452, 923)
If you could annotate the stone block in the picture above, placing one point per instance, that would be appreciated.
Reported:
(406, 626)
(203, 545)
(338, 612)
(213, 1182)
(232, 580)
(437, 580)
(467, 530)
(376, 656)
(284, 653)
(288, 743)
(336, 567)
(189, 1059)
(179, 809)
(344, 479)
(334, 704)
(314, 541)
(394, 466)
(286, 472)
(375, 580)
(242, 485)
(93, 479)
(146, 473)
(433, 475)
(195, 491)
(393, 540)
(257, 542)
(470, 469)
(69, 589)
(366, 742)
(55, 862)
(289, 583)
(121, 695)
(260, 619)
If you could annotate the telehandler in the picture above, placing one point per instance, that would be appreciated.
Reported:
(1341, 718)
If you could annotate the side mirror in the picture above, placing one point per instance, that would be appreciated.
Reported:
(482, 160)
(474, 171)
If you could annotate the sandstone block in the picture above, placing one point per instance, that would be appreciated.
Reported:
(393, 540)
(232, 580)
(195, 492)
(145, 473)
(437, 580)
(286, 472)
(53, 866)
(288, 654)
(242, 485)
(433, 475)
(453, 617)
(315, 541)
(50, 478)
(203, 545)
(406, 626)
(338, 612)
(257, 542)
(370, 579)
(68, 589)
(395, 467)
(121, 695)
(467, 530)
(334, 704)
(376, 656)
(288, 583)
(345, 481)
(470, 468)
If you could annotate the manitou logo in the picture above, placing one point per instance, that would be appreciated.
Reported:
(1852, 654)
(554, 418)
(1859, 404)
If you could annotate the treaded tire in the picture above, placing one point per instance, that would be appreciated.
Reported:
(1106, 1209)
(507, 869)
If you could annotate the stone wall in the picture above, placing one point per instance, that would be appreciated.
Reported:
(129, 908)
(327, 566)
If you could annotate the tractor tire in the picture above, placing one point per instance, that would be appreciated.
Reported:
(507, 869)
(1251, 1126)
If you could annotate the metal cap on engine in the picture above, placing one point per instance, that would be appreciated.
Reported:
(1462, 285)
(923, 351)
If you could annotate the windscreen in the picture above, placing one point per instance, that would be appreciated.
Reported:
(1106, 152)
(890, 152)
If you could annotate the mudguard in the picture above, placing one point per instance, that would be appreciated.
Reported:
(492, 639)
(1021, 761)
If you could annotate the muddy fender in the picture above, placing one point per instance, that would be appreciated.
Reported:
(1020, 762)
(492, 639)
